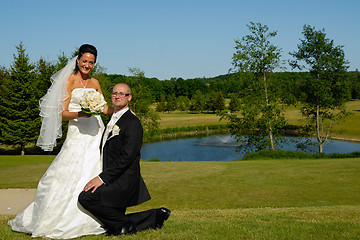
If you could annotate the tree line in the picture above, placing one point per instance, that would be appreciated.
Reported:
(320, 85)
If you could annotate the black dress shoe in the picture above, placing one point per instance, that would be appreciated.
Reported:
(131, 229)
(166, 213)
(163, 215)
(125, 230)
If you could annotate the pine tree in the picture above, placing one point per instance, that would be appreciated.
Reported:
(19, 113)
(4, 74)
(44, 71)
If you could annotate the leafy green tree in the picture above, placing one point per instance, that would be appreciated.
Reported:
(161, 105)
(156, 87)
(354, 82)
(216, 102)
(234, 104)
(195, 85)
(261, 115)
(326, 87)
(140, 104)
(197, 102)
(183, 103)
(181, 87)
(168, 87)
(171, 103)
(19, 113)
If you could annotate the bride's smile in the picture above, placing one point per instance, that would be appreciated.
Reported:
(86, 63)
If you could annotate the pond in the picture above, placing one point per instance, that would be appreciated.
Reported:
(218, 148)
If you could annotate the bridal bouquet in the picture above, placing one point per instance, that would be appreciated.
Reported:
(92, 102)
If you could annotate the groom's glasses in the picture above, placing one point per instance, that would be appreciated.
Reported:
(120, 94)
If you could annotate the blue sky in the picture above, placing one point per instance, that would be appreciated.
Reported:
(165, 39)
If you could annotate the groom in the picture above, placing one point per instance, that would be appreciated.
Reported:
(120, 184)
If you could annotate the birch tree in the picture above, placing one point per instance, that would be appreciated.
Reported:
(326, 87)
(260, 118)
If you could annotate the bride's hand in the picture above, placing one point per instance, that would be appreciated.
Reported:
(83, 114)
(66, 115)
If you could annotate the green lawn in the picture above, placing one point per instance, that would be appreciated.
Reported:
(262, 199)
(273, 199)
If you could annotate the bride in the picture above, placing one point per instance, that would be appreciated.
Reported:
(55, 212)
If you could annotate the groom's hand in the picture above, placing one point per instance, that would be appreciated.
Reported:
(93, 183)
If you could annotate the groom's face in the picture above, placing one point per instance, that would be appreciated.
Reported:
(121, 96)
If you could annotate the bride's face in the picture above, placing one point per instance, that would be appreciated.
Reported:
(86, 63)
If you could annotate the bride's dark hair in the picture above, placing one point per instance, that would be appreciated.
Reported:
(85, 48)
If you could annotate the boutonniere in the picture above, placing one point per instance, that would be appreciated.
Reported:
(115, 130)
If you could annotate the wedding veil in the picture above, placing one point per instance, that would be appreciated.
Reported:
(51, 107)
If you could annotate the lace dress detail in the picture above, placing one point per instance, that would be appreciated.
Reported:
(55, 212)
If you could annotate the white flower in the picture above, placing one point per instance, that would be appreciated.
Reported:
(92, 102)
(115, 130)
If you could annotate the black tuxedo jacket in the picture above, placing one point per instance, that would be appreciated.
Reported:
(124, 186)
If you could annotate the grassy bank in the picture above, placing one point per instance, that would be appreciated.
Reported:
(183, 119)
(275, 199)
(349, 128)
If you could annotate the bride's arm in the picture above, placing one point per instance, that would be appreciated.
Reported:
(66, 115)
(107, 110)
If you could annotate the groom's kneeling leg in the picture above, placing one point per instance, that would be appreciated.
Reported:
(91, 202)
(112, 218)
(88, 200)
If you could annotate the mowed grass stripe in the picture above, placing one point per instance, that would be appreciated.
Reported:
(263, 199)
(336, 222)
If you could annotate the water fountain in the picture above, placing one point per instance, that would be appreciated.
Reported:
(219, 141)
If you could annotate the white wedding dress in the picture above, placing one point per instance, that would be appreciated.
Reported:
(55, 212)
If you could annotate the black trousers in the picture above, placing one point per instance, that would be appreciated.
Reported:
(114, 218)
